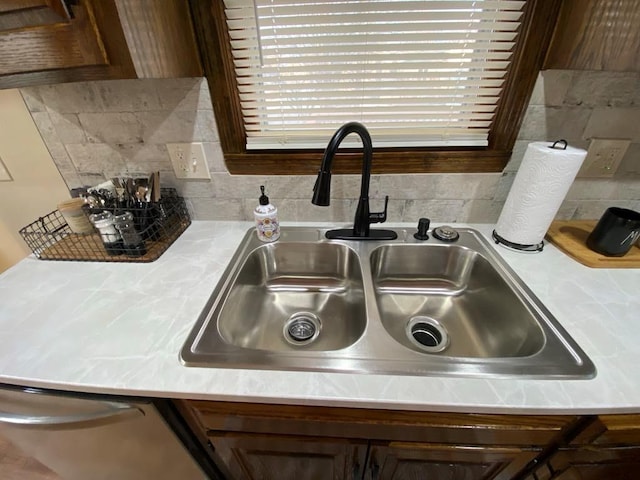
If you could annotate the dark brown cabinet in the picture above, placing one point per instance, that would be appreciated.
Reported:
(280, 457)
(588, 463)
(254, 441)
(53, 41)
(596, 35)
(282, 442)
(416, 461)
(42, 40)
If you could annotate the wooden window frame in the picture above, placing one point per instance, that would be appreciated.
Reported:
(535, 34)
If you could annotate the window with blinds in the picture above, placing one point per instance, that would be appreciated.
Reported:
(417, 73)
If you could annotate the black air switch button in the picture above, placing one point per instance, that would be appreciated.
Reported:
(423, 229)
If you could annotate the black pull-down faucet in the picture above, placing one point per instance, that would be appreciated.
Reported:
(322, 188)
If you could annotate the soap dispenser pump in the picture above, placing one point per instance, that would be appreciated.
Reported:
(266, 215)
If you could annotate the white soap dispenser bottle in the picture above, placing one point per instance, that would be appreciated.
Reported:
(266, 215)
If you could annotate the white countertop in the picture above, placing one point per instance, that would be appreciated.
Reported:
(118, 328)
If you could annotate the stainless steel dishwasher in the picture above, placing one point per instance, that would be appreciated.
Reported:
(101, 437)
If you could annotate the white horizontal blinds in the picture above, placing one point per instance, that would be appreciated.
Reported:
(415, 72)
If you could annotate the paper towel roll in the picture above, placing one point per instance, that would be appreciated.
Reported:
(542, 182)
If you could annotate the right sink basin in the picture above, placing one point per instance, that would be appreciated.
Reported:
(449, 299)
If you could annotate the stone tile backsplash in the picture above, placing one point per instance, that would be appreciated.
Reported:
(96, 130)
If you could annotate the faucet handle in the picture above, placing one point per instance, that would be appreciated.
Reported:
(380, 217)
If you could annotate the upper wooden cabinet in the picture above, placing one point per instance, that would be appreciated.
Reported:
(16, 14)
(596, 35)
(53, 41)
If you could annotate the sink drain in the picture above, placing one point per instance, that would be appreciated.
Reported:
(427, 334)
(302, 328)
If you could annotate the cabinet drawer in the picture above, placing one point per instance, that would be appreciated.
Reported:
(391, 425)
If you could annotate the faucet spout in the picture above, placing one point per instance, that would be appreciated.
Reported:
(322, 188)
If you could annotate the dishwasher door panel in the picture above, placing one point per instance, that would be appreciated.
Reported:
(82, 439)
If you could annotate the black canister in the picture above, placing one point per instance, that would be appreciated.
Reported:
(616, 232)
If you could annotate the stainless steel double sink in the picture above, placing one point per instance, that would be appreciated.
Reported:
(404, 307)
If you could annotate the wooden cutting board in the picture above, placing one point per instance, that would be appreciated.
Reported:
(570, 236)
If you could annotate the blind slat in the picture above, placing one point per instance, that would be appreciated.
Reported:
(331, 84)
(465, 28)
(246, 7)
(329, 71)
(303, 35)
(409, 95)
(384, 56)
(364, 44)
(294, 108)
(435, 4)
(383, 129)
(363, 66)
(314, 20)
(452, 118)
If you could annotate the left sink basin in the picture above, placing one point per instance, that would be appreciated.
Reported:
(281, 305)
(291, 294)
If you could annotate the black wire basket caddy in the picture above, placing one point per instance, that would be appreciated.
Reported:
(159, 224)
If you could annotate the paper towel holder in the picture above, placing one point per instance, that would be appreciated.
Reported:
(537, 247)
(561, 147)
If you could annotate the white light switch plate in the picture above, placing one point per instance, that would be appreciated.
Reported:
(188, 160)
(5, 176)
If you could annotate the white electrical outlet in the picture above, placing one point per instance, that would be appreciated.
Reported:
(188, 160)
(604, 157)
(5, 176)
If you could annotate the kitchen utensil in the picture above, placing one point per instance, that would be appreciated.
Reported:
(155, 193)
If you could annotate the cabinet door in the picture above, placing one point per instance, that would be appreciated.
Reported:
(53, 41)
(48, 43)
(596, 35)
(591, 463)
(608, 448)
(29, 13)
(280, 457)
(414, 461)
(37, 38)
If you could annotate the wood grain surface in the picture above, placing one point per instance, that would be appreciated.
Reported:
(570, 236)
(166, 46)
(50, 46)
(597, 35)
